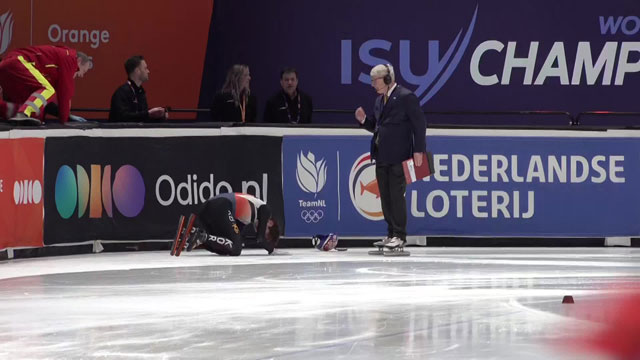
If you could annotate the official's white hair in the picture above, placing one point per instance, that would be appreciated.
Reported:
(380, 70)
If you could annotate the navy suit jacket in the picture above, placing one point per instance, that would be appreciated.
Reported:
(399, 127)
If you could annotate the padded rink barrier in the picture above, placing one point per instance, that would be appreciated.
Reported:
(127, 187)
(488, 184)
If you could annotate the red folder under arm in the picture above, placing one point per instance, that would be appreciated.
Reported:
(414, 173)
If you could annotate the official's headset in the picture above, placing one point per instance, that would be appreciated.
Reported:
(388, 78)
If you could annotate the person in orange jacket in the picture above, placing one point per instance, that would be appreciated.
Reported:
(32, 77)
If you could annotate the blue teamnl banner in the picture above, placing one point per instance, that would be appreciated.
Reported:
(483, 186)
(329, 186)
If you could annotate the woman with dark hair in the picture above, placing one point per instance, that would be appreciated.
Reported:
(235, 103)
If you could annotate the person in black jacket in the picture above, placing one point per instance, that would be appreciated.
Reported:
(399, 129)
(289, 105)
(235, 103)
(129, 101)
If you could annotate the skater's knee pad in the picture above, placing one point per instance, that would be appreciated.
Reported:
(325, 242)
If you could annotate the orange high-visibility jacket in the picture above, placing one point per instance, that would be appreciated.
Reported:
(58, 64)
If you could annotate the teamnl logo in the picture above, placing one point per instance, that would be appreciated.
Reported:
(77, 191)
(438, 72)
(312, 177)
(6, 31)
(363, 188)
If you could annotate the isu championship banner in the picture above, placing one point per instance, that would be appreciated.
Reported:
(483, 186)
(136, 188)
(21, 192)
(466, 55)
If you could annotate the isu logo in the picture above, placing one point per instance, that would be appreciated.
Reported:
(128, 191)
(6, 30)
(363, 188)
(440, 64)
(27, 192)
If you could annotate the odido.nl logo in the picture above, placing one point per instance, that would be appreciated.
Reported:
(75, 190)
(363, 188)
(27, 192)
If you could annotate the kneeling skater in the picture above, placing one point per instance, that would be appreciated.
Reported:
(221, 220)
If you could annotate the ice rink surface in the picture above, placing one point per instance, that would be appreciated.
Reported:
(439, 303)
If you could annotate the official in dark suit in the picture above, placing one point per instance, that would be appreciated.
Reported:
(399, 128)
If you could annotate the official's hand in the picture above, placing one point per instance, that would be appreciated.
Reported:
(156, 113)
(417, 158)
(360, 115)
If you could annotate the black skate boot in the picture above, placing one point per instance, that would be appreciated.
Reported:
(197, 237)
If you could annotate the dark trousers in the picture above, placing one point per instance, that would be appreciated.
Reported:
(392, 186)
(216, 219)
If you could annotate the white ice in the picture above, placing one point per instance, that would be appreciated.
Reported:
(439, 303)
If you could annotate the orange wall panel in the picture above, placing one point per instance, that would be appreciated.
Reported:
(171, 35)
(21, 192)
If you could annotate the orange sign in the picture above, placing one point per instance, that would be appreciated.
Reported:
(172, 36)
(21, 192)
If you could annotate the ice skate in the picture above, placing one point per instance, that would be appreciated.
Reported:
(196, 237)
(178, 236)
(395, 247)
(182, 234)
(380, 245)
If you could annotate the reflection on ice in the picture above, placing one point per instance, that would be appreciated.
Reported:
(438, 303)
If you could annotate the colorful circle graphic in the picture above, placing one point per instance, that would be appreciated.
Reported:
(128, 191)
(66, 192)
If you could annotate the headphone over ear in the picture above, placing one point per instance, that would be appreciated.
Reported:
(387, 78)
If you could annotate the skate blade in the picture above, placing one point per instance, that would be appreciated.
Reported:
(279, 253)
(176, 239)
(187, 232)
(396, 253)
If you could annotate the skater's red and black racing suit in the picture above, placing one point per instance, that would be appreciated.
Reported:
(225, 216)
